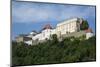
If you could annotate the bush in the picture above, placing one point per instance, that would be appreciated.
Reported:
(84, 25)
(53, 51)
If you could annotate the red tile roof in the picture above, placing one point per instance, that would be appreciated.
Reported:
(88, 30)
(47, 26)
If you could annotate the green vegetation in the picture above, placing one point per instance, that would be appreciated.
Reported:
(84, 25)
(52, 51)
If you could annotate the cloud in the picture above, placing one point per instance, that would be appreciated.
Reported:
(27, 12)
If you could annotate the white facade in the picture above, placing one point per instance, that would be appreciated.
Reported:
(37, 37)
(68, 26)
(45, 34)
(65, 27)
(28, 42)
(88, 35)
(53, 31)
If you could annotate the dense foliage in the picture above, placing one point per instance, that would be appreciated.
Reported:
(52, 51)
(84, 25)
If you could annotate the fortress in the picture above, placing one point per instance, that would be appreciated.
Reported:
(67, 28)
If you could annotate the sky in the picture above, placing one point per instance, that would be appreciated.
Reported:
(29, 16)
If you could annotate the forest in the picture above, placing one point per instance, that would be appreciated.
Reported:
(53, 51)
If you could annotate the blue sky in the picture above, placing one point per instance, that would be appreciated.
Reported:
(28, 16)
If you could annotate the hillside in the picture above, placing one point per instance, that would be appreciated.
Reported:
(70, 49)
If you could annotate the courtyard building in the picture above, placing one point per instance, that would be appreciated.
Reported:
(66, 28)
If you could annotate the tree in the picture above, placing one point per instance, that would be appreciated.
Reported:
(54, 38)
(70, 49)
(84, 25)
